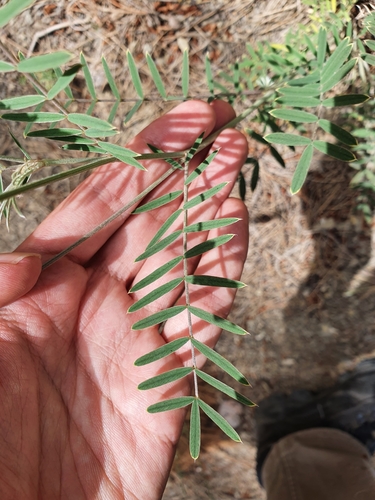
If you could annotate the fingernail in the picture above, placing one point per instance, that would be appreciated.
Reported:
(16, 257)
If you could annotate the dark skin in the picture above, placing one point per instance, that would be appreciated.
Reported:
(73, 423)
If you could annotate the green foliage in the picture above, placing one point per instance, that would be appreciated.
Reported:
(299, 86)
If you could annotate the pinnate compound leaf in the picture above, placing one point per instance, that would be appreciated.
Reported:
(334, 151)
(345, 100)
(185, 73)
(338, 132)
(220, 361)
(135, 75)
(122, 154)
(298, 101)
(165, 378)
(42, 63)
(210, 224)
(88, 121)
(25, 101)
(88, 77)
(161, 352)
(156, 76)
(302, 168)
(208, 245)
(171, 404)
(288, 139)
(5, 67)
(110, 79)
(164, 228)
(160, 245)
(294, 115)
(195, 430)
(217, 321)
(155, 294)
(158, 202)
(207, 280)
(201, 168)
(34, 117)
(206, 195)
(159, 317)
(220, 386)
(219, 421)
(55, 132)
(63, 81)
(155, 275)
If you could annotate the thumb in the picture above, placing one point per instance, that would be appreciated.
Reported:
(18, 274)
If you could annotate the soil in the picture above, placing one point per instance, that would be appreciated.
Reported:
(310, 277)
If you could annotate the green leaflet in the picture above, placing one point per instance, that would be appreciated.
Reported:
(158, 202)
(122, 154)
(155, 294)
(88, 121)
(194, 147)
(206, 195)
(195, 430)
(345, 100)
(334, 151)
(220, 361)
(42, 63)
(288, 139)
(298, 101)
(208, 245)
(63, 81)
(206, 280)
(88, 77)
(338, 132)
(34, 117)
(302, 168)
(161, 352)
(164, 228)
(322, 46)
(110, 79)
(171, 404)
(5, 67)
(155, 275)
(159, 317)
(160, 245)
(337, 59)
(165, 378)
(185, 73)
(113, 112)
(331, 80)
(219, 421)
(220, 386)
(22, 102)
(210, 224)
(12, 9)
(156, 76)
(132, 112)
(311, 90)
(135, 75)
(94, 132)
(55, 132)
(294, 115)
(217, 321)
(201, 168)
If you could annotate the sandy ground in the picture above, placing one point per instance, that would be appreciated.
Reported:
(305, 253)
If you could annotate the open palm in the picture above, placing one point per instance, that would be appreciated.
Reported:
(73, 423)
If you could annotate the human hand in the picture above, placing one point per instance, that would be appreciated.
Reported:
(73, 423)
